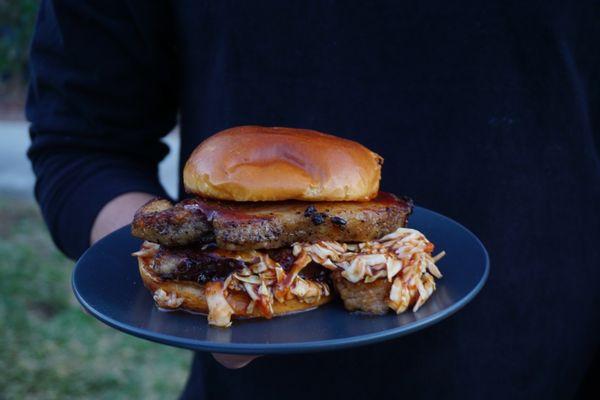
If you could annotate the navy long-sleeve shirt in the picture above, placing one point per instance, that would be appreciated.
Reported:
(488, 112)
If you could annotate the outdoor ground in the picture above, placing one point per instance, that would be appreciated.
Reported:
(51, 349)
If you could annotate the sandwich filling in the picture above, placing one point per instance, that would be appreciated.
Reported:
(403, 259)
(262, 277)
(250, 257)
(268, 225)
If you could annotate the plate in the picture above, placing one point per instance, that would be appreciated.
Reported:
(106, 282)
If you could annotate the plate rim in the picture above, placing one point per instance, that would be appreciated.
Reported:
(289, 348)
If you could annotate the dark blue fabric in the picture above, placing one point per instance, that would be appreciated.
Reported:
(487, 112)
(99, 102)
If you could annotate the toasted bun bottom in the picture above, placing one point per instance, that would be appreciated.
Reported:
(190, 296)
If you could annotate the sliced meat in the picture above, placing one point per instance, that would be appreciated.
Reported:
(279, 224)
(368, 297)
(195, 264)
(162, 222)
(270, 225)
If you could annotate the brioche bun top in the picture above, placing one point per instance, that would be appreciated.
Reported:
(255, 163)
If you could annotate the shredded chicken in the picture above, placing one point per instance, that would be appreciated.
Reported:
(220, 311)
(402, 257)
(167, 300)
(265, 281)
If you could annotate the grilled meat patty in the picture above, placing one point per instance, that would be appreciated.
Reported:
(194, 264)
(268, 225)
(191, 264)
(160, 221)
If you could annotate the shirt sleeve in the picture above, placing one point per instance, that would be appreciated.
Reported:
(101, 96)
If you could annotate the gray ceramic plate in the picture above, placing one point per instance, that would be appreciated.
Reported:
(107, 283)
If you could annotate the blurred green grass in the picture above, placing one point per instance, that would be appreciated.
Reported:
(17, 19)
(51, 349)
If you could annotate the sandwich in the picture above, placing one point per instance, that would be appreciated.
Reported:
(278, 221)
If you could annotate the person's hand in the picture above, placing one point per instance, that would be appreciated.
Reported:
(233, 361)
(117, 213)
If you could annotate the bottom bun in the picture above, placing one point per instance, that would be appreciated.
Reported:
(190, 296)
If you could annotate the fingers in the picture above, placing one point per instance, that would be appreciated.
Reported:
(233, 361)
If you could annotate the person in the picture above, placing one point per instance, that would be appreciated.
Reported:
(487, 113)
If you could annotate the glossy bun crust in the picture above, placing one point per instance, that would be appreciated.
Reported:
(254, 163)
(194, 298)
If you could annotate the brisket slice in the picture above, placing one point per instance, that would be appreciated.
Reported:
(195, 264)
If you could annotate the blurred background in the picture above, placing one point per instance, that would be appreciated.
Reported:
(49, 348)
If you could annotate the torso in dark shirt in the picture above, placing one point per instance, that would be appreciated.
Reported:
(479, 114)
(484, 112)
